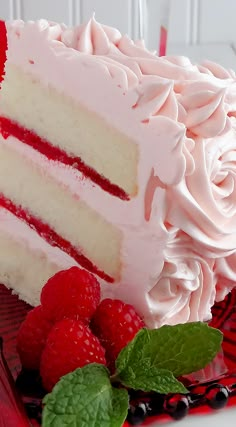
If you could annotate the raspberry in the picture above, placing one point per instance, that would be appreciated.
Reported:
(70, 345)
(73, 293)
(32, 337)
(115, 324)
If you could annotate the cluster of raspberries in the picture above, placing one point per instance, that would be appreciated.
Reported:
(72, 328)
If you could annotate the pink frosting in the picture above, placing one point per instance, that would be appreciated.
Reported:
(205, 201)
(179, 232)
(187, 278)
(225, 270)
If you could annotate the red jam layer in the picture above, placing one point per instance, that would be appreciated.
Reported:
(52, 237)
(28, 137)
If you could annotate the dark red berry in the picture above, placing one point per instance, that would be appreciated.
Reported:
(217, 396)
(177, 406)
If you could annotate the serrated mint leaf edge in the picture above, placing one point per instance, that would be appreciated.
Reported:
(152, 382)
(117, 396)
(123, 359)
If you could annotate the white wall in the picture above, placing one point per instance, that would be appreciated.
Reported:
(192, 21)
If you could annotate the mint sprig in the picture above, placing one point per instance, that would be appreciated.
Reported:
(181, 349)
(86, 398)
(152, 361)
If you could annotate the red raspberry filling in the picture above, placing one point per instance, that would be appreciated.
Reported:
(28, 137)
(52, 237)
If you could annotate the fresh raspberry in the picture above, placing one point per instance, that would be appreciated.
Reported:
(115, 324)
(70, 345)
(73, 293)
(32, 337)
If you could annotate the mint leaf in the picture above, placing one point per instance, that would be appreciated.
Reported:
(181, 349)
(158, 380)
(85, 398)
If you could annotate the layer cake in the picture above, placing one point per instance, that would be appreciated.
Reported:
(120, 161)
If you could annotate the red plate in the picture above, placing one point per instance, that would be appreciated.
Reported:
(222, 370)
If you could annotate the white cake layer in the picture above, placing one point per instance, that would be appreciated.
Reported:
(67, 125)
(26, 260)
(31, 186)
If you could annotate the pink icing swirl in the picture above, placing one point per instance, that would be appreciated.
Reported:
(205, 205)
(96, 39)
(202, 109)
(204, 114)
(216, 70)
(156, 97)
(185, 288)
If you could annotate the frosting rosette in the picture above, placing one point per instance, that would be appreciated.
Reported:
(205, 201)
(185, 289)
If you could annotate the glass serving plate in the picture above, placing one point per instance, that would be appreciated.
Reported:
(211, 388)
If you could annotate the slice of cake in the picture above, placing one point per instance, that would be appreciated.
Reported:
(26, 260)
(125, 162)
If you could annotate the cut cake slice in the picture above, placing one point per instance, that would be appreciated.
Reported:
(102, 147)
(26, 260)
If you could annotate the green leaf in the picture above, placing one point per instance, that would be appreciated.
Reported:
(180, 349)
(85, 398)
(158, 380)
